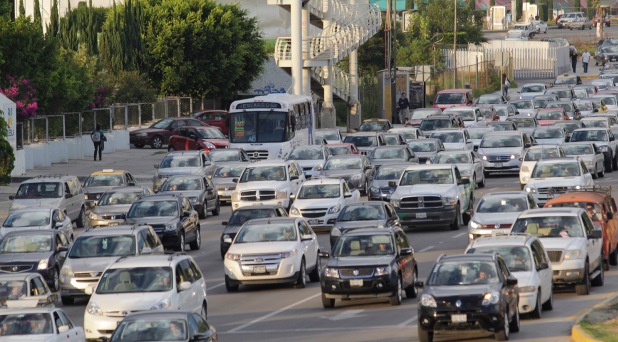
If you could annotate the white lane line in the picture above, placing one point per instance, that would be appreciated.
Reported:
(425, 249)
(413, 319)
(270, 331)
(267, 316)
(214, 286)
(459, 235)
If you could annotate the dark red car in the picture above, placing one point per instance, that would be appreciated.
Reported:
(198, 138)
(549, 116)
(606, 21)
(216, 118)
(160, 132)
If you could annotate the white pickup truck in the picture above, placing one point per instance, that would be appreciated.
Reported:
(521, 32)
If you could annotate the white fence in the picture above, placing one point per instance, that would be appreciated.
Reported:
(529, 59)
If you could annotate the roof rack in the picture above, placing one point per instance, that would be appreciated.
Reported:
(606, 189)
(172, 255)
(49, 176)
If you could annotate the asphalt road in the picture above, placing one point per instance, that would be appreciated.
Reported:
(282, 313)
(571, 35)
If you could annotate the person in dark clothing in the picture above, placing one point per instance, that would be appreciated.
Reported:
(404, 105)
(98, 139)
(573, 54)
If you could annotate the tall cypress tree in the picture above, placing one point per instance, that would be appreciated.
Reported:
(110, 47)
(132, 35)
(37, 15)
(54, 21)
(22, 9)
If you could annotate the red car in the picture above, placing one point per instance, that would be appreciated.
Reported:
(342, 148)
(198, 138)
(216, 118)
(606, 20)
(453, 98)
(160, 132)
(548, 116)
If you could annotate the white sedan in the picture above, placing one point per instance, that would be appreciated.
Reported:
(540, 25)
(44, 324)
(38, 218)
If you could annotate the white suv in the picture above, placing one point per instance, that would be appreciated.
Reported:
(320, 200)
(269, 182)
(556, 176)
(141, 283)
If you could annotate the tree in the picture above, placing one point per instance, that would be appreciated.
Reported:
(6, 9)
(81, 26)
(121, 44)
(54, 20)
(22, 8)
(201, 49)
(37, 15)
(7, 156)
(519, 8)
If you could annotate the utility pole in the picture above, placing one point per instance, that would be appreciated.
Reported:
(455, 47)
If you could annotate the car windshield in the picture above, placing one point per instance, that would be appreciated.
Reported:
(102, 246)
(610, 66)
(391, 139)
(362, 213)
(580, 93)
(537, 154)
(420, 114)
(182, 184)
(451, 273)
(117, 198)
(263, 174)
(497, 141)
(224, 156)
(26, 324)
(566, 106)
(548, 170)
(501, 204)
(569, 126)
(433, 124)
(26, 243)
(464, 114)
(452, 158)
(577, 149)
(153, 209)
(549, 226)
(517, 258)
(306, 153)
(27, 219)
(39, 190)
(549, 115)
(592, 122)
(326, 135)
(388, 153)
(338, 150)
(478, 133)
(364, 245)
(594, 135)
(361, 141)
(142, 330)
(266, 232)
(104, 180)
(389, 173)
(501, 126)
(423, 146)
(179, 161)
(343, 164)
(585, 105)
(229, 171)
(533, 89)
(560, 93)
(162, 124)
(448, 137)
(239, 217)
(408, 134)
(136, 279)
(319, 191)
(522, 104)
(548, 133)
(540, 103)
(373, 126)
(452, 98)
(436, 176)
(489, 100)
(609, 49)
(210, 134)
(499, 112)
(523, 122)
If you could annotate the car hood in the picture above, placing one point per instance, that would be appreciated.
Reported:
(529, 96)
(587, 158)
(316, 203)
(340, 173)
(231, 229)
(383, 183)
(360, 261)
(376, 162)
(556, 243)
(262, 185)
(133, 301)
(551, 141)
(90, 264)
(218, 142)
(24, 257)
(425, 154)
(172, 171)
(438, 189)
(454, 146)
(97, 189)
(460, 291)
(34, 338)
(359, 224)
(469, 123)
(310, 163)
(499, 150)
(263, 247)
(555, 181)
(227, 181)
(547, 122)
(151, 220)
(112, 209)
(35, 202)
(495, 218)
(186, 193)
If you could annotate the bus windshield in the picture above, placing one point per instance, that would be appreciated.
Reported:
(271, 128)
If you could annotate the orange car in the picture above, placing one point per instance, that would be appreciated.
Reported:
(601, 207)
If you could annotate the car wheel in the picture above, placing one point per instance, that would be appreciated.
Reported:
(549, 304)
(457, 221)
(411, 291)
(615, 162)
(156, 142)
(474, 181)
(301, 281)
(204, 311)
(139, 145)
(217, 209)
(584, 288)
(229, 287)
(327, 303)
(395, 299)
(595, 174)
(67, 300)
(314, 276)
(602, 173)
(171, 148)
(204, 212)
(613, 257)
(181, 242)
(222, 254)
(599, 280)
(55, 280)
(482, 183)
(195, 245)
(515, 322)
(605, 265)
(536, 313)
(424, 335)
(608, 165)
(81, 219)
(504, 333)
(365, 191)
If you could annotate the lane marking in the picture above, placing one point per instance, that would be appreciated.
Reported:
(214, 286)
(459, 235)
(267, 316)
(425, 249)
(270, 331)
(413, 319)
(344, 315)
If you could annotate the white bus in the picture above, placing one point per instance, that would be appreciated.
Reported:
(268, 127)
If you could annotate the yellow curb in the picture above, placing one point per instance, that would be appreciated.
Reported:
(589, 76)
(577, 333)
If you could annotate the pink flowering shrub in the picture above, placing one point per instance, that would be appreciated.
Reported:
(23, 94)
(101, 96)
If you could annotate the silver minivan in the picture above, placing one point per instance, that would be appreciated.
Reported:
(61, 191)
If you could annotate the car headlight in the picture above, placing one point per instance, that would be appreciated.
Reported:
(530, 189)
(484, 157)
(317, 168)
(572, 254)
(209, 145)
(449, 200)
(85, 196)
(514, 156)
(193, 200)
(525, 168)
(162, 305)
(281, 194)
(604, 148)
(475, 225)
(66, 271)
(170, 227)
(374, 189)
(527, 289)
(235, 196)
(491, 298)
(330, 272)
(334, 209)
(233, 257)
(294, 211)
(141, 134)
(94, 309)
(42, 264)
(227, 238)
(395, 202)
(428, 301)
(93, 216)
(289, 254)
(383, 270)
(465, 172)
(356, 177)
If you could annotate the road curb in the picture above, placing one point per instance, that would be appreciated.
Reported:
(589, 76)
(577, 332)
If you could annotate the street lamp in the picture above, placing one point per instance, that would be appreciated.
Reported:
(455, 46)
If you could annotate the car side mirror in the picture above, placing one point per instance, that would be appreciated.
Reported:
(595, 234)
(480, 118)
(292, 196)
(156, 166)
(306, 238)
(324, 255)
(347, 195)
(235, 180)
(609, 216)
(335, 232)
(419, 284)
(293, 177)
(89, 290)
(595, 110)
(405, 251)
(68, 195)
(368, 167)
(58, 225)
(392, 184)
(543, 266)
(511, 281)
(527, 145)
(62, 329)
(184, 286)
(224, 223)
(146, 250)
(476, 148)
(209, 188)
(193, 136)
(612, 138)
(11, 197)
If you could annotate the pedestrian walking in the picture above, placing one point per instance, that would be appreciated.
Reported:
(505, 86)
(404, 105)
(585, 61)
(98, 139)
(573, 54)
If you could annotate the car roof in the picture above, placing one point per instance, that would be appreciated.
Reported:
(33, 209)
(113, 230)
(49, 178)
(347, 156)
(430, 167)
(543, 212)
(519, 133)
(591, 129)
(505, 193)
(370, 231)
(375, 120)
(366, 203)
(270, 162)
(108, 172)
(273, 220)
(180, 153)
(466, 257)
(150, 260)
(438, 117)
(18, 276)
(502, 240)
(32, 232)
(363, 134)
(259, 207)
(534, 84)
(557, 160)
(44, 310)
(450, 130)
(322, 180)
(579, 196)
(185, 176)
(161, 196)
(158, 314)
(433, 140)
(126, 189)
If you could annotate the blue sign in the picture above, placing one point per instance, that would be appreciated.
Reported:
(400, 5)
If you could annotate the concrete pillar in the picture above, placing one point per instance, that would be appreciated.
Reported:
(328, 117)
(306, 55)
(297, 50)
(354, 117)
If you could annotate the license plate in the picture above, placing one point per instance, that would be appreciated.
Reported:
(497, 164)
(421, 215)
(257, 203)
(259, 269)
(226, 193)
(314, 221)
(459, 318)
(356, 282)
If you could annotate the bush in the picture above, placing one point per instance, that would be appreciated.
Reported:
(132, 87)
(7, 156)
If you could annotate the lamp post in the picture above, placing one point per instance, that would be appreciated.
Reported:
(455, 46)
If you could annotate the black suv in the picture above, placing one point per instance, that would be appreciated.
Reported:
(469, 292)
(369, 263)
(371, 214)
(242, 215)
(171, 216)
